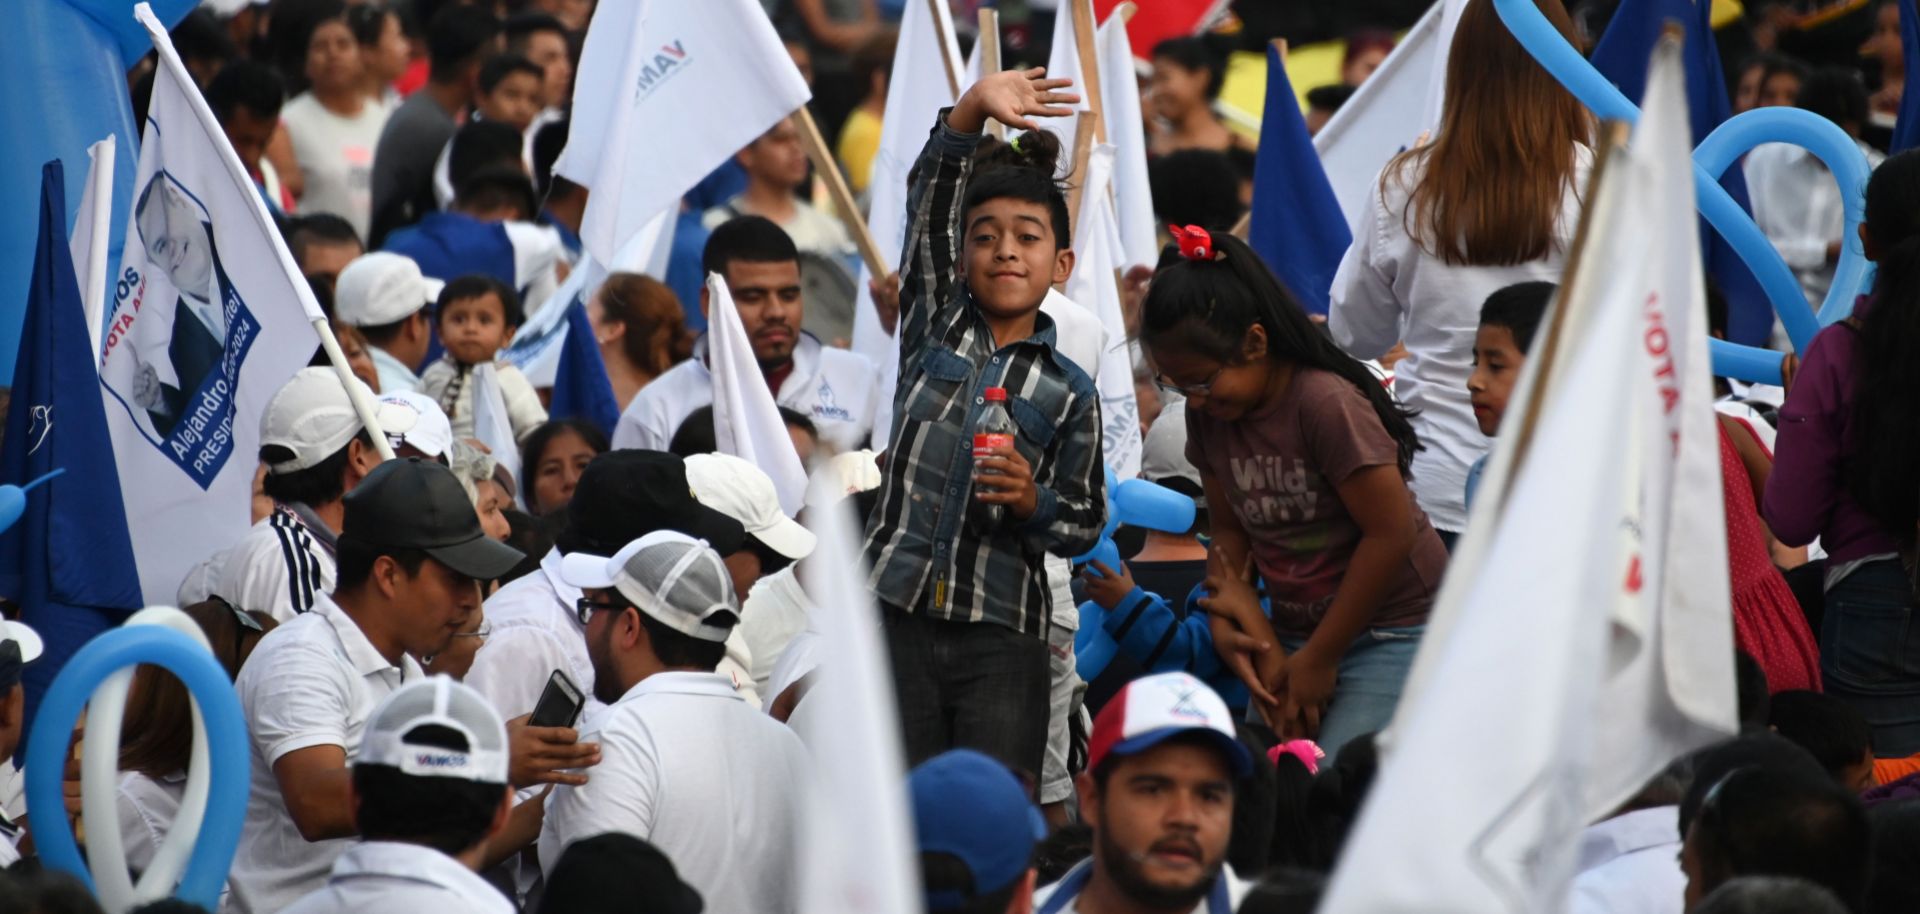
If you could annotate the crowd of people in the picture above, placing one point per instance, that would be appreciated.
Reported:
(579, 676)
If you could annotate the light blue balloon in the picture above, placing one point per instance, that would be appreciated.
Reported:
(1152, 506)
(68, 69)
(1093, 648)
(1747, 363)
(226, 742)
(1853, 275)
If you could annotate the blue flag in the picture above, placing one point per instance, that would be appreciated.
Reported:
(1621, 56)
(68, 561)
(580, 386)
(1297, 226)
(1906, 130)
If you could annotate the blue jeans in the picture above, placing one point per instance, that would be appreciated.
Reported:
(1369, 682)
(1870, 653)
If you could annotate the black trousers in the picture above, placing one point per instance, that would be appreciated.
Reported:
(973, 685)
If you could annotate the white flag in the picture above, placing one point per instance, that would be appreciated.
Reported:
(92, 227)
(535, 349)
(1516, 659)
(1132, 193)
(746, 420)
(918, 88)
(665, 93)
(1381, 119)
(858, 853)
(210, 318)
(490, 422)
(1436, 104)
(1095, 286)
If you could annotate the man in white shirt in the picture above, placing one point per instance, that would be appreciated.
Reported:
(386, 296)
(685, 763)
(774, 542)
(835, 388)
(776, 167)
(315, 451)
(429, 789)
(1162, 765)
(411, 555)
(621, 496)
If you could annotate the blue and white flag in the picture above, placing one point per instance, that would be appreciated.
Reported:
(209, 318)
(67, 560)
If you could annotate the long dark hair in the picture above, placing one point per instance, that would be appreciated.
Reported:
(1884, 476)
(1206, 306)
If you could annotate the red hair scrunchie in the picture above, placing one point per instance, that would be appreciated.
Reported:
(1195, 242)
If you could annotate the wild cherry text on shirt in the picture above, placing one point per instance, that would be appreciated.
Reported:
(1293, 498)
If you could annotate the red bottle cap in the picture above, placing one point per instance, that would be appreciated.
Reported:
(996, 395)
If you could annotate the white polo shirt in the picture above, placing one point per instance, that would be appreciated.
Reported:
(388, 877)
(687, 765)
(835, 388)
(281, 566)
(313, 681)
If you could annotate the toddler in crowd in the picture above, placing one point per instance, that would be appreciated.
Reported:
(476, 316)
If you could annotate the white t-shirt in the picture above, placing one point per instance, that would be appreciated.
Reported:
(336, 157)
(147, 808)
(1630, 864)
(280, 568)
(835, 388)
(687, 765)
(775, 611)
(1389, 289)
(313, 681)
(388, 877)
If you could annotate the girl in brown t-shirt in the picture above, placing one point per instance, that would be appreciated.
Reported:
(1304, 458)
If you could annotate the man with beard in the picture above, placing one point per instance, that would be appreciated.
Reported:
(685, 763)
(834, 388)
(1158, 791)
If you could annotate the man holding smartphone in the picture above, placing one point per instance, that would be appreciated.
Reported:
(621, 496)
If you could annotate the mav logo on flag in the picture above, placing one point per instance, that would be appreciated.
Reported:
(670, 61)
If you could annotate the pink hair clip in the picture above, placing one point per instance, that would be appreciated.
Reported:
(1307, 751)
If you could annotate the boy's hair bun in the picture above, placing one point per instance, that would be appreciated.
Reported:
(1035, 149)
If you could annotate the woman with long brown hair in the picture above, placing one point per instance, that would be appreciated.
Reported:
(156, 740)
(641, 329)
(1492, 201)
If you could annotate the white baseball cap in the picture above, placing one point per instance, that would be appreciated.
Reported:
(412, 418)
(1152, 709)
(312, 416)
(1164, 455)
(381, 288)
(393, 737)
(31, 647)
(677, 580)
(744, 492)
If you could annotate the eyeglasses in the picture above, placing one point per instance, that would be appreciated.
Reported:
(1191, 390)
(483, 632)
(586, 608)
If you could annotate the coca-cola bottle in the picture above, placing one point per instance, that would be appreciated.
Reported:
(993, 430)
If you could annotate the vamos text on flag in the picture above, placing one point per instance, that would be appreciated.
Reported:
(670, 61)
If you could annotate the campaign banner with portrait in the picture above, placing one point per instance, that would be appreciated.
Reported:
(209, 318)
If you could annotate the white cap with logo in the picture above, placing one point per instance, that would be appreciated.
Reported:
(381, 288)
(312, 416)
(411, 418)
(471, 744)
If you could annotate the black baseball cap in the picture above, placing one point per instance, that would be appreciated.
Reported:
(417, 504)
(625, 495)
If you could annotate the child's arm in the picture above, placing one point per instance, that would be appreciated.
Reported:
(1232, 604)
(1144, 626)
(927, 276)
(1377, 500)
(524, 412)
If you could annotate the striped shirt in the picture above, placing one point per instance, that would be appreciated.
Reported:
(284, 562)
(925, 559)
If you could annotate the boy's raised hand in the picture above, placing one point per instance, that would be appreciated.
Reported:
(1009, 97)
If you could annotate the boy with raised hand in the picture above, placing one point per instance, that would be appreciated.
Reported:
(967, 602)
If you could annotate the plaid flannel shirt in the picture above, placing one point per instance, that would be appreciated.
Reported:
(924, 557)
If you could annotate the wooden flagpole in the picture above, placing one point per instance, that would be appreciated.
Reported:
(829, 170)
(990, 59)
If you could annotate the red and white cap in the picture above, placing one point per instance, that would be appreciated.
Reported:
(1153, 709)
